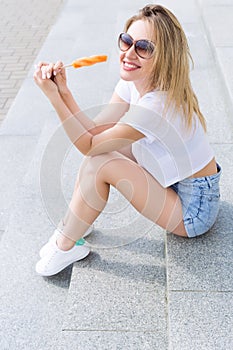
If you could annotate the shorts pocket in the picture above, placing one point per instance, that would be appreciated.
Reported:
(201, 213)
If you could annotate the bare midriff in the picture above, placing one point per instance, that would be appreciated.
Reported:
(208, 170)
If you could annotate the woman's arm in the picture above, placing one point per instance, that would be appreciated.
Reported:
(107, 118)
(113, 137)
(57, 74)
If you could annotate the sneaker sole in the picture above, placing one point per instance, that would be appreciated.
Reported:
(62, 267)
(42, 253)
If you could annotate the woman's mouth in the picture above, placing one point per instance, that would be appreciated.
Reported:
(129, 66)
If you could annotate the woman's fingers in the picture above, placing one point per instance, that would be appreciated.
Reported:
(44, 72)
(46, 69)
(41, 63)
(50, 70)
(57, 67)
(37, 75)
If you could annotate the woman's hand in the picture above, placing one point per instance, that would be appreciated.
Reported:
(60, 77)
(45, 81)
(55, 72)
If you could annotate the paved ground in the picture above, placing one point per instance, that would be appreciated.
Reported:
(158, 292)
(24, 27)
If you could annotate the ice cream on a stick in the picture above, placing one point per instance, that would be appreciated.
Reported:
(86, 61)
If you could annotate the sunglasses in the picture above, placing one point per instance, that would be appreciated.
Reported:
(143, 48)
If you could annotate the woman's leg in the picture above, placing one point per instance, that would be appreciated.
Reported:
(127, 152)
(160, 205)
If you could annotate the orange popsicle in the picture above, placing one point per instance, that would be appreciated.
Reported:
(87, 61)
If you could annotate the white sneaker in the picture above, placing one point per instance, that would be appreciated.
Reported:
(46, 248)
(57, 260)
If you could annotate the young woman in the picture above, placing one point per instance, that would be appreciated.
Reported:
(150, 141)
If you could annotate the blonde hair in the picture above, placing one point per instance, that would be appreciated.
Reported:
(170, 66)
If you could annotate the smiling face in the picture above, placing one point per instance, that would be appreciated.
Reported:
(132, 67)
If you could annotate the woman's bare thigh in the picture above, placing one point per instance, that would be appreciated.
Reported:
(127, 152)
(161, 205)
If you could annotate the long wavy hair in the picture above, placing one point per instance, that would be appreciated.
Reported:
(170, 66)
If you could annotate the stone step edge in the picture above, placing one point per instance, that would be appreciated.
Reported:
(219, 64)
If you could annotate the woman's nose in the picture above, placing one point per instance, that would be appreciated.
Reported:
(131, 52)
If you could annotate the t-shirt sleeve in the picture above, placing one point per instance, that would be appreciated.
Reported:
(123, 90)
(144, 118)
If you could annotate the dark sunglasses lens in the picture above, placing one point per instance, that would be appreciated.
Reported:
(125, 42)
(144, 48)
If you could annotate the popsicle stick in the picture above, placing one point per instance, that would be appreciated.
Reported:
(67, 65)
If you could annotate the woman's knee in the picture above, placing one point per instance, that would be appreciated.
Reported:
(91, 166)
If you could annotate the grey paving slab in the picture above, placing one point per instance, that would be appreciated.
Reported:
(209, 86)
(206, 263)
(31, 307)
(51, 125)
(215, 2)
(217, 15)
(224, 157)
(1, 233)
(88, 95)
(15, 155)
(125, 288)
(186, 12)
(27, 113)
(219, 23)
(202, 264)
(103, 7)
(214, 104)
(94, 340)
(98, 40)
(199, 47)
(201, 321)
(68, 24)
(225, 57)
(53, 50)
(53, 194)
(118, 224)
(77, 34)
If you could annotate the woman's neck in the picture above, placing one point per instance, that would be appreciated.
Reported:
(141, 87)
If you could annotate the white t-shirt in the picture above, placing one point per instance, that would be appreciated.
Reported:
(169, 152)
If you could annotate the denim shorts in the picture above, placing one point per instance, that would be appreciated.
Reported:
(200, 199)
